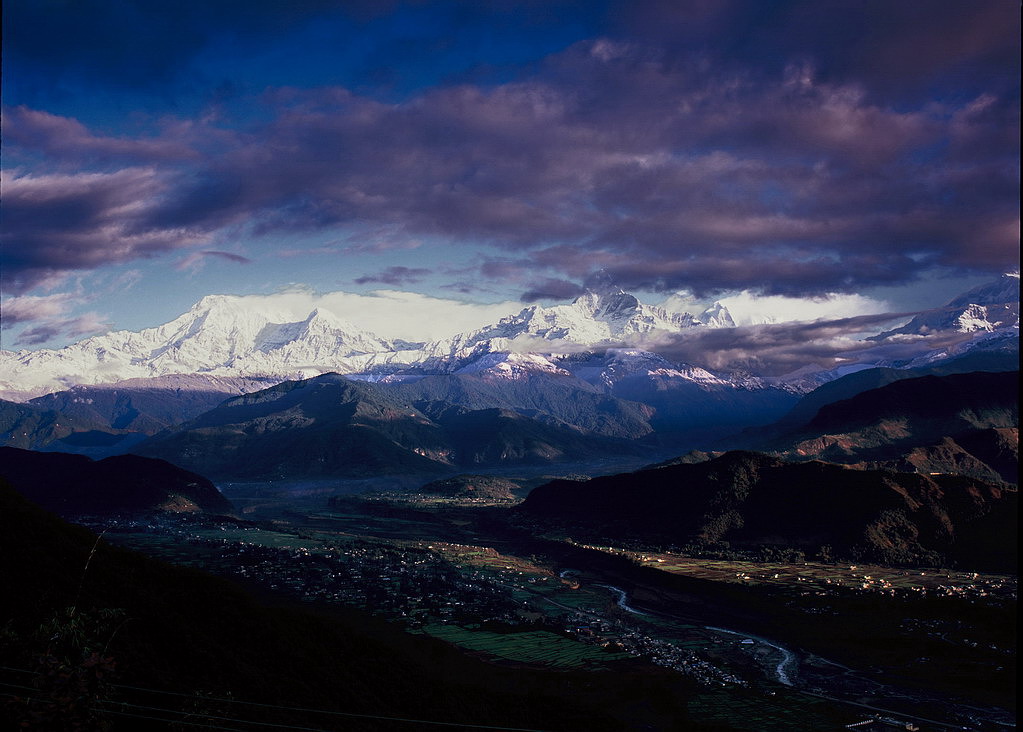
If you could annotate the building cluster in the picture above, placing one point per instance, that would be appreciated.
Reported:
(413, 585)
(589, 627)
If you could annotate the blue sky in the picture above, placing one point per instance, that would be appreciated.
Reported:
(499, 152)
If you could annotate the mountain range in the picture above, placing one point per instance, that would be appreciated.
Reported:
(331, 426)
(235, 391)
(224, 336)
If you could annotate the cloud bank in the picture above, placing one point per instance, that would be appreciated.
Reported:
(780, 157)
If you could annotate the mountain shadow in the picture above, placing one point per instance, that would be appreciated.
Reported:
(750, 500)
(330, 426)
(76, 485)
(965, 423)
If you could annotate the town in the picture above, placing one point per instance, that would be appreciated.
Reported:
(519, 610)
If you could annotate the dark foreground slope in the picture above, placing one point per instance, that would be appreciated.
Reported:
(753, 500)
(155, 626)
(74, 484)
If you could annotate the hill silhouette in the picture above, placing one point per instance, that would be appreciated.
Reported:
(753, 500)
(333, 426)
(75, 484)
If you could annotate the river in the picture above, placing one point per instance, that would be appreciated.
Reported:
(783, 671)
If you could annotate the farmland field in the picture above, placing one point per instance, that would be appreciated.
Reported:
(539, 647)
(820, 576)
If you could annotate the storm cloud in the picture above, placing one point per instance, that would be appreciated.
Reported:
(787, 163)
(781, 348)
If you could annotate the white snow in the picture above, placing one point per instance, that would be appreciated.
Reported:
(260, 338)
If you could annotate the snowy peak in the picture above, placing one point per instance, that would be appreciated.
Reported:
(511, 365)
(717, 316)
(991, 307)
(592, 319)
(987, 318)
(320, 330)
(608, 305)
(624, 363)
(1003, 290)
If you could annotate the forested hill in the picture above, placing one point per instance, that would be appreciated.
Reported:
(752, 500)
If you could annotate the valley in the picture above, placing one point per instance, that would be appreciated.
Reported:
(588, 535)
(769, 645)
(509, 365)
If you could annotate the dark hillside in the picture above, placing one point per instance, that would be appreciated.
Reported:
(182, 631)
(143, 405)
(74, 484)
(30, 427)
(330, 426)
(858, 382)
(751, 500)
(945, 404)
(563, 398)
(964, 423)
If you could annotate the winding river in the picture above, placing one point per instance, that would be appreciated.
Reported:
(623, 599)
(788, 659)
(783, 671)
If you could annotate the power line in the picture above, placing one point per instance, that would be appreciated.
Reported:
(409, 720)
(175, 721)
(463, 725)
(105, 710)
(217, 717)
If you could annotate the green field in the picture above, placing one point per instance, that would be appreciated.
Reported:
(539, 647)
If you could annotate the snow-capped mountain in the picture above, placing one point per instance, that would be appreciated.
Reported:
(225, 336)
(611, 367)
(219, 336)
(592, 338)
(502, 364)
(717, 316)
(604, 317)
(988, 308)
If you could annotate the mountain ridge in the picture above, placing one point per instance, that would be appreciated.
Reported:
(225, 336)
(746, 499)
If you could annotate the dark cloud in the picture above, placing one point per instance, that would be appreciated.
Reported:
(59, 223)
(777, 349)
(670, 163)
(69, 141)
(395, 276)
(236, 258)
(551, 289)
(896, 50)
(39, 334)
(46, 331)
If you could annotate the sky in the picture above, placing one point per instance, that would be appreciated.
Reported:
(833, 158)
